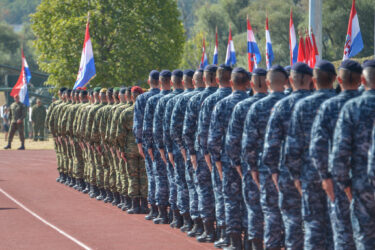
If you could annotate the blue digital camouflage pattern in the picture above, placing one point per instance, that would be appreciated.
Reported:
(348, 164)
(250, 191)
(158, 166)
(139, 111)
(320, 147)
(314, 201)
(273, 159)
(371, 160)
(232, 189)
(252, 149)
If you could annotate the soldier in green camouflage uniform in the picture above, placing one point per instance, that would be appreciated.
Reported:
(16, 115)
(135, 165)
(38, 117)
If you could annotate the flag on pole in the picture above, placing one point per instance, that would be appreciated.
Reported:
(269, 51)
(354, 42)
(20, 88)
(308, 50)
(86, 70)
(204, 60)
(315, 56)
(293, 47)
(230, 58)
(253, 51)
(215, 58)
(301, 51)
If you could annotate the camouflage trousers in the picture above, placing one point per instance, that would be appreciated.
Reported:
(318, 231)
(172, 192)
(123, 178)
(78, 161)
(251, 196)
(58, 156)
(86, 165)
(290, 206)
(206, 200)
(137, 179)
(192, 185)
(108, 182)
(150, 178)
(116, 172)
(159, 169)
(65, 157)
(38, 130)
(217, 186)
(98, 169)
(12, 130)
(180, 180)
(91, 167)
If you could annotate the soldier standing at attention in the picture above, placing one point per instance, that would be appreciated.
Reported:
(17, 112)
(318, 232)
(38, 117)
(349, 158)
(323, 128)
(371, 161)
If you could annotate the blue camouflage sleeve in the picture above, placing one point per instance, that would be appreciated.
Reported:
(190, 126)
(371, 159)
(216, 133)
(166, 127)
(138, 119)
(234, 136)
(158, 126)
(249, 140)
(204, 126)
(176, 126)
(147, 125)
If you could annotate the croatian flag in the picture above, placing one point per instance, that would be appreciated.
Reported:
(315, 56)
(20, 88)
(293, 47)
(253, 52)
(204, 60)
(354, 42)
(215, 59)
(230, 58)
(86, 70)
(269, 51)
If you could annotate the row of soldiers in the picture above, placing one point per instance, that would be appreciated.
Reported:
(95, 146)
(285, 163)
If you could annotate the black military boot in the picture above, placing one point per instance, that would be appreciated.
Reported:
(127, 203)
(209, 232)
(9, 146)
(58, 178)
(63, 178)
(121, 201)
(101, 195)
(144, 206)
(223, 241)
(95, 191)
(109, 197)
(162, 216)
(67, 181)
(153, 213)
(81, 185)
(257, 244)
(197, 229)
(235, 242)
(187, 223)
(135, 209)
(246, 242)
(116, 199)
(87, 188)
(72, 182)
(22, 147)
(177, 219)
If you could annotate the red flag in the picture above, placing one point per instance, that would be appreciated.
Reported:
(307, 49)
(315, 56)
(301, 51)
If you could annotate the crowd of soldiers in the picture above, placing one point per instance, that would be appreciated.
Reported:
(273, 159)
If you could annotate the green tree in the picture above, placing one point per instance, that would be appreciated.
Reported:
(17, 11)
(129, 37)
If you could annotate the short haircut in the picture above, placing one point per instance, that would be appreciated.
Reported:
(276, 77)
(153, 82)
(349, 77)
(164, 79)
(257, 80)
(210, 76)
(239, 78)
(297, 78)
(198, 77)
(177, 80)
(223, 74)
(323, 78)
(369, 74)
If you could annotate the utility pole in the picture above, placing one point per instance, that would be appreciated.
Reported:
(315, 22)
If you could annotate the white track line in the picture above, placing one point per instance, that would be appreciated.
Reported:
(45, 222)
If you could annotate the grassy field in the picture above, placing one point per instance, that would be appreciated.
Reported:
(29, 143)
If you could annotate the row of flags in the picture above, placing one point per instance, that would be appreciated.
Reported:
(305, 50)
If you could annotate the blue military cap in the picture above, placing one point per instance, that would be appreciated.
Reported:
(188, 72)
(288, 69)
(211, 68)
(199, 70)
(154, 74)
(110, 91)
(225, 67)
(178, 73)
(280, 69)
(165, 73)
(62, 89)
(259, 72)
(239, 70)
(123, 90)
(84, 92)
(368, 64)
(351, 65)
(302, 68)
(326, 66)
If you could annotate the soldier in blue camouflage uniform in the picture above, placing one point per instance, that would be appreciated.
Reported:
(318, 233)
(288, 87)
(349, 158)
(321, 145)
(223, 76)
(229, 176)
(139, 110)
(233, 138)
(176, 126)
(158, 165)
(273, 158)
(206, 203)
(371, 160)
(178, 193)
(252, 149)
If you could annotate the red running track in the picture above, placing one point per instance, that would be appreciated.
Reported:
(27, 185)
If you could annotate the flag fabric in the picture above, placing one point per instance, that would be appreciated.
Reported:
(301, 51)
(253, 51)
(315, 55)
(293, 46)
(86, 70)
(269, 51)
(215, 58)
(308, 50)
(20, 88)
(230, 58)
(354, 42)
(204, 60)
